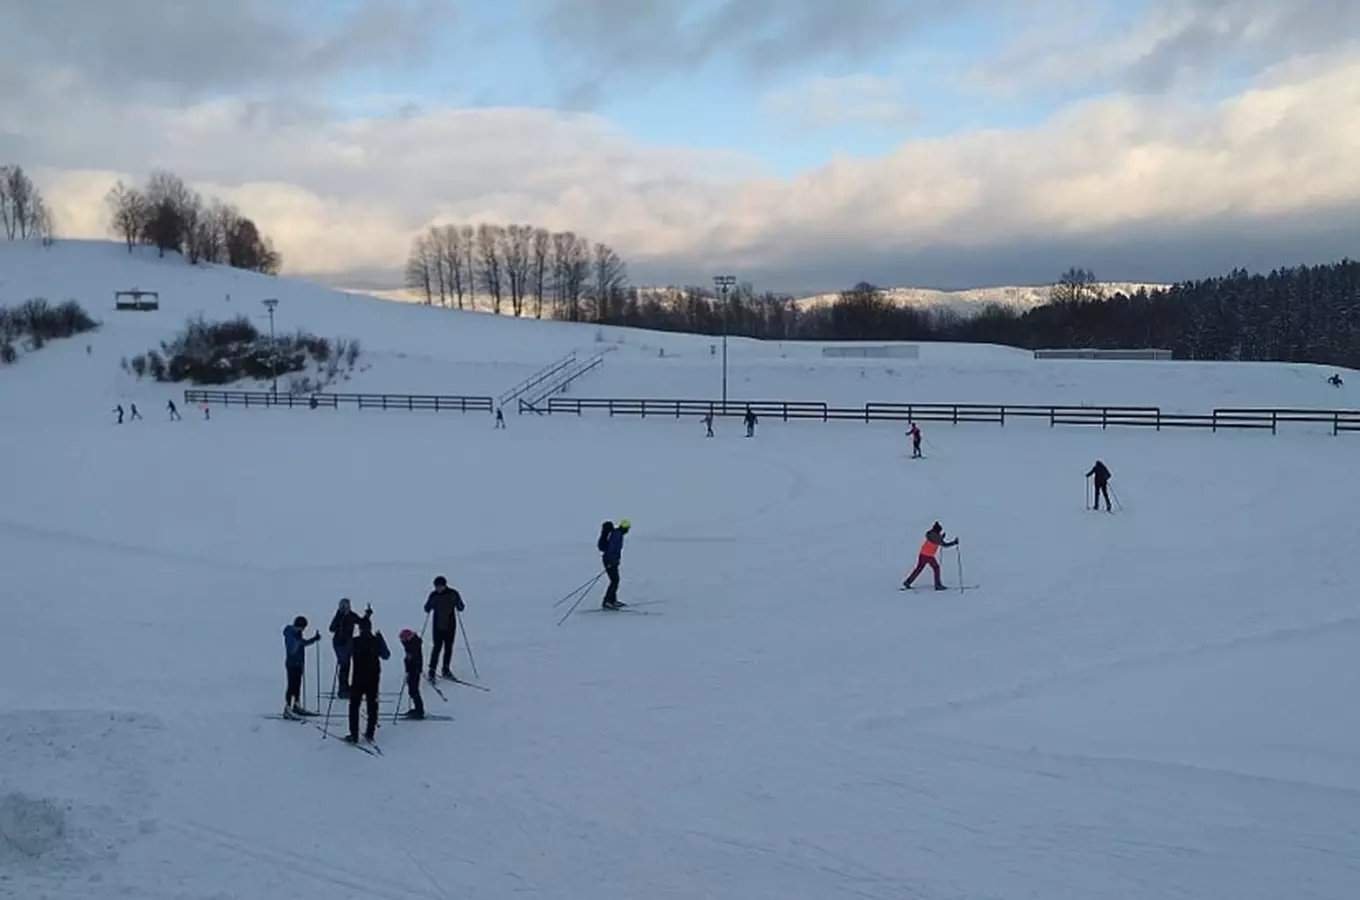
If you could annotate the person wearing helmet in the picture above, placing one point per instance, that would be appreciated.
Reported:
(611, 540)
(414, 660)
(444, 604)
(295, 646)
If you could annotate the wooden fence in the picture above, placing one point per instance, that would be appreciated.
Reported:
(409, 402)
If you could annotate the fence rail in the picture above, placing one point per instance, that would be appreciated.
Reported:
(1229, 419)
(534, 380)
(560, 384)
(408, 402)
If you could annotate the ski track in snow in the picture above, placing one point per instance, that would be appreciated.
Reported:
(1154, 704)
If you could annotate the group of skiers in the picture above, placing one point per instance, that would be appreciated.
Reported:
(749, 419)
(169, 406)
(360, 651)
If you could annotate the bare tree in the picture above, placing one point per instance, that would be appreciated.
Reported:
(519, 264)
(467, 240)
(490, 252)
(542, 250)
(21, 204)
(420, 268)
(1076, 286)
(439, 264)
(451, 246)
(44, 224)
(610, 276)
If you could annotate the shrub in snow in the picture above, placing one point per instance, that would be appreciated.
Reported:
(36, 322)
(7, 353)
(235, 350)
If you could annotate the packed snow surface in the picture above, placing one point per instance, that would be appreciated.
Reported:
(1157, 703)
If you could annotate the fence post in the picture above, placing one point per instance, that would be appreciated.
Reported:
(1159, 418)
(1213, 422)
(956, 414)
(1274, 419)
(644, 409)
(1003, 417)
(1052, 416)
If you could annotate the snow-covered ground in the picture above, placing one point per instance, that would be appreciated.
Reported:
(1153, 704)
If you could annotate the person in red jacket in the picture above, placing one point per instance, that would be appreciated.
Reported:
(935, 539)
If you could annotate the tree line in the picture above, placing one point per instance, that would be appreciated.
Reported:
(169, 215)
(1300, 314)
(531, 269)
(24, 213)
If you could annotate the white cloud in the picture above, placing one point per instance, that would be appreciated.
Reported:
(825, 101)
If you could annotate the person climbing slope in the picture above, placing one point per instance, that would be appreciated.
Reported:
(295, 646)
(610, 546)
(935, 539)
(1102, 485)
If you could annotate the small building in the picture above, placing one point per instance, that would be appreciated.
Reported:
(1103, 354)
(136, 299)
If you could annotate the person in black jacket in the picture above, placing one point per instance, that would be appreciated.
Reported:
(343, 624)
(415, 658)
(370, 649)
(444, 604)
(1102, 483)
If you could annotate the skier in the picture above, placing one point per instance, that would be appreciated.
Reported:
(1335, 380)
(915, 434)
(119, 410)
(935, 539)
(415, 657)
(708, 423)
(500, 418)
(370, 649)
(1102, 476)
(444, 604)
(174, 413)
(750, 422)
(342, 628)
(610, 546)
(135, 414)
(206, 412)
(294, 662)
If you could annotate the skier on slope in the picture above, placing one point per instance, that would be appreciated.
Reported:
(295, 646)
(708, 423)
(935, 539)
(1102, 485)
(444, 604)
(415, 658)
(750, 422)
(915, 434)
(342, 628)
(610, 546)
(370, 649)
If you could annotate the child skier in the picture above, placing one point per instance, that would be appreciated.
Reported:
(415, 658)
(929, 549)
(294, 662)
(915, 434)
(610, 546)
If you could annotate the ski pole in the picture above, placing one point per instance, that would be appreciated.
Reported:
(318, 675)
(458, 617)
(958, 558)
(335, 685)
(1115, 495)
(576, 604)
(1087, 493)
(582, 588)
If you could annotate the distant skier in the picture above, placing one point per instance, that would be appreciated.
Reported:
(174, 412)
(750, 422)
(118, 410)
(708, 423)
(915, 434)
(610, 546)
(935, 539)
(500, 417)
(415, 658)
(135, 414)
(444, 604)
(1335, 380)
(342, 628)
(295, 646)
(370, 649)
(206, 412)
(1102, 485)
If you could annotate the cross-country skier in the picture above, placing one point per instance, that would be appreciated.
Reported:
(1335, 380)
(1102, 483)
(119, 410)
(610, 546)
(415, 658)
(174, 413)
(135, 414)
(500, 417)
(342, 628)
(370, 649)
(708, 423)
(935, 539)
(294, 662)
(915, 434)
(750, 422)
(444, 604)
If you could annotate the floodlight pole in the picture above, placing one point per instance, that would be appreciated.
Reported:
(723, 283)
(273, 347)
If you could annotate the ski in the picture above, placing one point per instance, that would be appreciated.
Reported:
(625, 609)
(282, 718)
(429, 717)
(468, 684)
(369, 747)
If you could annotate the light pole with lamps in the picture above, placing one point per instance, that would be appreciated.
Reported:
(723, 283)
(273, 347)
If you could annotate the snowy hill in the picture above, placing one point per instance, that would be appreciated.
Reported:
(1150, 704)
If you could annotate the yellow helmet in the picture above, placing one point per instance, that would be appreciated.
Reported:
(624, 523)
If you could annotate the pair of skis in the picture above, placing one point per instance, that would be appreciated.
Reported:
(630, 608)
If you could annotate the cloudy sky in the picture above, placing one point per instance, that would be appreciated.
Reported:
(800, 144)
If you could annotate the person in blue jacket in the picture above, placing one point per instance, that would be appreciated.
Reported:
(610, 546)
(295, 646)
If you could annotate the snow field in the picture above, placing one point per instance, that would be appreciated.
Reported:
(1155, 704)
